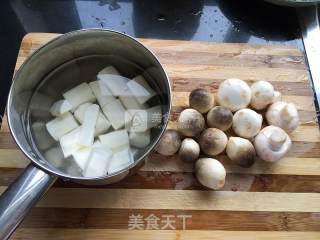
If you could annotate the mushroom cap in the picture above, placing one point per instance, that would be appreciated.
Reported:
(189, 150)
(210, 173)
(262, 94)
(220, 117)
(283, 115)
(201, 100)
(241, 151)
(169, 143)
(190, 122)
(272, 143)
(246, 123)
(234, 94)
(213, 141)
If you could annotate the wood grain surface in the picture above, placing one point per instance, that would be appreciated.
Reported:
(267, 201)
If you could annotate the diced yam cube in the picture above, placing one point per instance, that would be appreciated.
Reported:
(115, 140)
(102, 124)
(80, 110)
(54, 156)
(139, 139)
(145, 119)
(109, 70)
(101, 92)
(139, 120)
(60, 126)
(60, 107)
(87, 129)
(141, 89)
(81, 156)
(42, 138)
(116, 114)
(117, 84)
(120, 160)
(98, 163)
(130, 102)
(69, 142)
(79, 94)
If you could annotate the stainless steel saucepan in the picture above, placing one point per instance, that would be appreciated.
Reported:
(37, 178)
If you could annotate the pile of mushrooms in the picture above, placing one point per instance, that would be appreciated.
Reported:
(232, 124)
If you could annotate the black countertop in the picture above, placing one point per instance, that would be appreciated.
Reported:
(243, 21)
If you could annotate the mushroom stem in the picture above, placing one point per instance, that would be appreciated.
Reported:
(276, 140)
(270, 145)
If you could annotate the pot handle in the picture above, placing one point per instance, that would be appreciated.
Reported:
(21, 196)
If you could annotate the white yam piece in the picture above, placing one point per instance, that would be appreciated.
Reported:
(142, 120)
(79, 94)
(102, 124)
(141, 89)
(54, 156)
(130, 101)
(60, 107)
(42, 138)
(86, 136)
(60, 126)
(116, 83)
(98, 163)
(80, 110)
(81, 156)
(116, 114)
(69, 142)
(102, 93)
(115, 140)
(139, 139)
(120, 160)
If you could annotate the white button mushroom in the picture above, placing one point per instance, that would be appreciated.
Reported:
(190, 122)
(201, 100)
(210, 173)
(169, 143)
(283, 115)
(272, 143)
(241, 151)
(247, 123)
(234, 94)
(213, 141)
(220, 117)
(262, 94)
(189, 150)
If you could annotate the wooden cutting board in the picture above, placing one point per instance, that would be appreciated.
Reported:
(267, 201)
